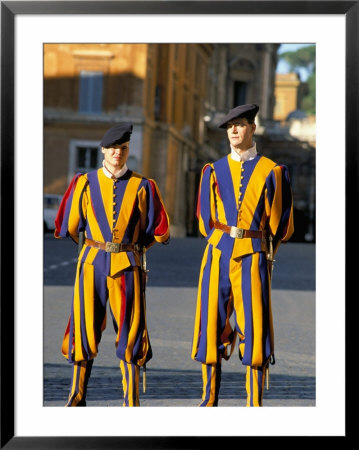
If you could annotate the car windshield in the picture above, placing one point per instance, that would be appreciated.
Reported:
(52, 202)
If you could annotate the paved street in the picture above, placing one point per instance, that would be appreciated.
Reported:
(173, 378)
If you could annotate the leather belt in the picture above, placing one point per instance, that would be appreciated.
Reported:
(113, 247)
(240, 233)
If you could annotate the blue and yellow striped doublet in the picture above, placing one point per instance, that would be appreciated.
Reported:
(235, 276)
(126, 210)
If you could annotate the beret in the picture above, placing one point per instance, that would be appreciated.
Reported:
(248, 111)
(117, 135)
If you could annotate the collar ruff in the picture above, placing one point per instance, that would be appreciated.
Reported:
(249, 154)
(109, 174)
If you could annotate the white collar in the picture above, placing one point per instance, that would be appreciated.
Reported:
(109, 174)
(244, 156)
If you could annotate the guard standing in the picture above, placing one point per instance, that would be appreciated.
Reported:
(121, 215)
(245, 211)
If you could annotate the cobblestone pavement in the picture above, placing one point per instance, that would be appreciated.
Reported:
(173, 378)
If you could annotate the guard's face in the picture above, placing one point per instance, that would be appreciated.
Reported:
(240, 133)
(116, 156)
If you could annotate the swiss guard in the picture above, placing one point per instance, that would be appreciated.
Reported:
(245, 211)
(120, 215)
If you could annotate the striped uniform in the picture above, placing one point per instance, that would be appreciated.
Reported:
(126, 210)
(235, 276)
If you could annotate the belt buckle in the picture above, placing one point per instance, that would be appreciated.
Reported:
(236, 232)
(112, 247)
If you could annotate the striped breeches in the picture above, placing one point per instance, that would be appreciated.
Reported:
(211, 375)
(240, 287)
(125, 294)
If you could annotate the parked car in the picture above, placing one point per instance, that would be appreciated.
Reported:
(51, 206)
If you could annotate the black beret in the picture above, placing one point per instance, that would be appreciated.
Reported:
(117, 135)
(247, 111)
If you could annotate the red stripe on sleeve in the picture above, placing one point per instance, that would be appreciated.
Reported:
(61, 211)
(161, 223)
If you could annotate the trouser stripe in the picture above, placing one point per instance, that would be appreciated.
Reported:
(211, 374)
(255, 385)
(130, 383)
(80, 376)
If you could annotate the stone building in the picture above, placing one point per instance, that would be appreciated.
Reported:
(161, 88)
(239, 74)
(287, 95)
(175, 95)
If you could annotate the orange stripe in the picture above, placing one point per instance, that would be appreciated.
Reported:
(257, 310)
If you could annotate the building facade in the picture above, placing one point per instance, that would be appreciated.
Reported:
(161, 88)
(175, 95)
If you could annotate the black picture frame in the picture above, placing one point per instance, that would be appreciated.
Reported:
(9, 10)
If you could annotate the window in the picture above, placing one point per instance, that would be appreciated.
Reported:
(84, 157)
(87, 158)
(91, 90)
(240, 93)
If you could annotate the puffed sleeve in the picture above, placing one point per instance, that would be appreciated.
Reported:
(71, 215)
(279, 205)
(205, 202)
(155, 220)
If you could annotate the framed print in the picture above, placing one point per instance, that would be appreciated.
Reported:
(25, 27)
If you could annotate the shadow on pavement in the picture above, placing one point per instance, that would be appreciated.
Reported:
(178, 264)
(162, 384)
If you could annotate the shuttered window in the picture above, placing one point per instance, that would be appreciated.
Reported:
(91, 91)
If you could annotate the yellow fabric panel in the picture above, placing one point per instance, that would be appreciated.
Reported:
(216, 202)
(142, 206)
(115, 299)
(79, 356)
(74, 216)
(276, 210)
(254, 190)
(126, 207)
(213, 307)
(213, 197)
(236, 171)
(271, 326)
(135, 316)
(235, 274)
(242, 247)
(248, 206)
(93, 224)
(130, 386)
(197, 320)
(124, 380)
(257, 308)
(90, 255)
(89, 305)
(248, 384)
(290, 228)
(119, 262)
(106, 188)
(255, 395)
(65, 347)
(78, 382)
(74, 380)
(215, 237)
(211, 383)
(205, 381)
